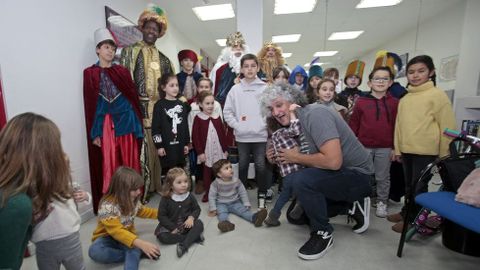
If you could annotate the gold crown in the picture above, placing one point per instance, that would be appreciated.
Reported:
(235, 39)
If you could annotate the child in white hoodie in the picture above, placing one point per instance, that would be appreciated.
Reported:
(242, 113)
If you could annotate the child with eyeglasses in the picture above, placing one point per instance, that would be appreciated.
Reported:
(373, 122)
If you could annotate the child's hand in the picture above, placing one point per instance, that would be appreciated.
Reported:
(151, 250)
(212, 213)
(161, 152)
(175, 231)
(202, 158)
(293, 107)
(97, 141)
(225, 154)
(80, 196)
(270, 154)
(189, 222)
(185, 149)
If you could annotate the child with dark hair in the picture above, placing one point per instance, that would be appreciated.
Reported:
(169, 126)
(373, 122)
(280, 75)
(228, 195)
(352, 79)
(242, 114)
(178, 213)
(423, 114)
(188, 77)
(326, 95)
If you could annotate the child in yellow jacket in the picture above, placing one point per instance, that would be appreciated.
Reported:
(115, 239)
(422, 116)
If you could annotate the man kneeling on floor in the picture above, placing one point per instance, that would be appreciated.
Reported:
(337, 178)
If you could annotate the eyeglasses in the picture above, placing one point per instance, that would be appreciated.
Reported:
(380, 80)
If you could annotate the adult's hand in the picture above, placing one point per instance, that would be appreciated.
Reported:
(288, 155)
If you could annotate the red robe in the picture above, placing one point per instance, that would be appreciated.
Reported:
(122, 79)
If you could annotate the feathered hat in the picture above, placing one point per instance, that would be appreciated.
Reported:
(355, 68)
(388, 59)
(156, 14)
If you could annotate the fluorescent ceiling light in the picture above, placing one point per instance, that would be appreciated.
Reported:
(297, 6)
(221, 42)
(286, 55)
(325, 53)
(306, 65)
(345, 35)
(377, 3)
(286, 38)
(214, 12)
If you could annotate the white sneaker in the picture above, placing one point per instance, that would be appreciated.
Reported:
(381, 210)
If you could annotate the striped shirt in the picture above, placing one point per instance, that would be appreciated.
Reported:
(226, 192)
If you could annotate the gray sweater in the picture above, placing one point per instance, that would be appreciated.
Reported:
(226, 192)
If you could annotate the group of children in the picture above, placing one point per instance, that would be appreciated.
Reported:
(409, 129)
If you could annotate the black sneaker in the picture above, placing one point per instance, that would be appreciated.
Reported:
(360, 212)
(316, 246)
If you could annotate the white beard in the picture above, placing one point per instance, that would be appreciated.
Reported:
(234, 62)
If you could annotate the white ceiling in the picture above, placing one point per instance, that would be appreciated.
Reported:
(380, 25)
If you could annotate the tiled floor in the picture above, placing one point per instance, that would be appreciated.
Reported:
(276, 248)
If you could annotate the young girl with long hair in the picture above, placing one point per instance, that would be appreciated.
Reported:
(209, 138)
(179, 212)
(35, 178)
(423, 113)
(115, 239)
(326, 95)
(170, 124)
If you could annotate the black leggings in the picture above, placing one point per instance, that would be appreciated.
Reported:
(186, 239)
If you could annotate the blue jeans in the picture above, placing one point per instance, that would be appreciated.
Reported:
(258, 152)
(237, 208)
(287, 191)
(108, 250)
(327, 193)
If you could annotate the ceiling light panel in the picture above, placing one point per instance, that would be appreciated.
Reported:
(345, 35)
(325, 53)
(286, 55)
(214, 12)
(286, 38)
(377, 3)
(297, 6)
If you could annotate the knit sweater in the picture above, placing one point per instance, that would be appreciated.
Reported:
(227, 192)
(121, 228)
(422, 116)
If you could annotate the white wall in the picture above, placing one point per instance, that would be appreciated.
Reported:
(45, 45)
(438, 37)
